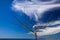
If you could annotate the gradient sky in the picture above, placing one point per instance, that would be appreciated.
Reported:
(10, 27)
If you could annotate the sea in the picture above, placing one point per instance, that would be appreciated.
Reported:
(34, 39)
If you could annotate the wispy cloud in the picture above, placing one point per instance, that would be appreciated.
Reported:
(37, 9)
(32, 8)
(49, 30)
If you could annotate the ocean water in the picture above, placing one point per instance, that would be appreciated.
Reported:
(34, 39)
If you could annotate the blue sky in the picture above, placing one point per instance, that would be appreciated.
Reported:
(10, 27)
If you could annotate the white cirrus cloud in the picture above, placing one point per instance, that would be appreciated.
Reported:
(32, 8)
(36, 9)
(49, 30)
